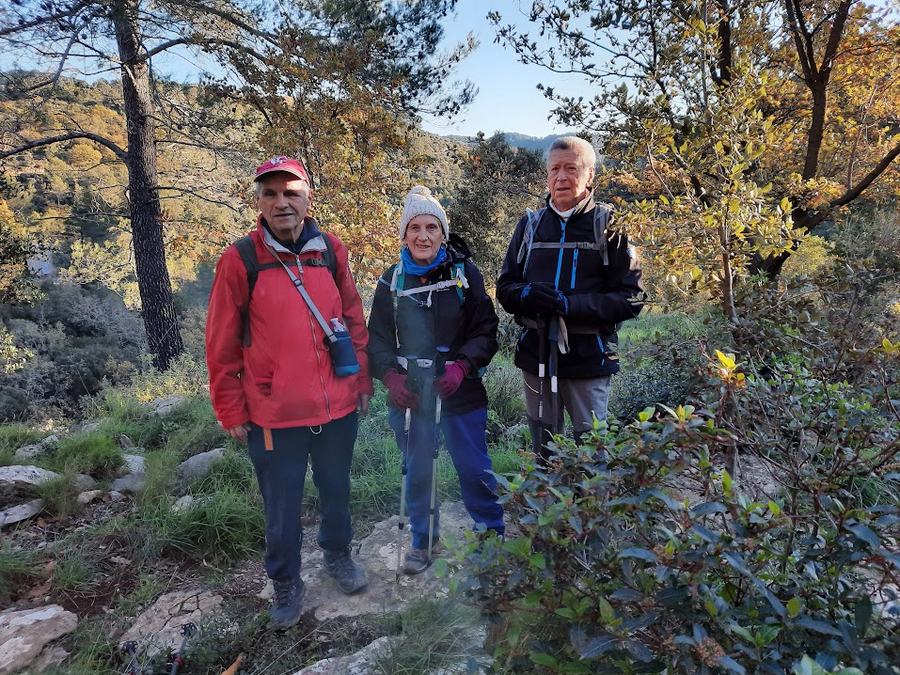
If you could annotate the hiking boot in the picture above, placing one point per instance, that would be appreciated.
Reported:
(286, 603)
(416, 560)
(349, 576)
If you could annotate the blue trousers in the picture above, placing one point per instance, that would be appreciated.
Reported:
(281, 472)
(466, 439)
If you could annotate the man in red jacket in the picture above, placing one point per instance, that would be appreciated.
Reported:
(273, 382)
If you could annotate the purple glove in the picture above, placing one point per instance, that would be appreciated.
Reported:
(453, 376)
(400, 395)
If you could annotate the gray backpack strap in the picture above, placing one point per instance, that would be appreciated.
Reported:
(602, 213)
(534, 218)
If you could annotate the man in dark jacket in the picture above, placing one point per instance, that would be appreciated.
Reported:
(569, 280)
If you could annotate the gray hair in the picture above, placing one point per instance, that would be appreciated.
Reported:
(582, 147)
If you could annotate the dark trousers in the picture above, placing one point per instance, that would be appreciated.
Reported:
(281, 472)
(465, 436)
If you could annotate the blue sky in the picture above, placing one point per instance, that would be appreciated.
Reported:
(507, 99)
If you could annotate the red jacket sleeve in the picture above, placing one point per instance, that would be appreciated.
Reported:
(228, 301)
(353, 314)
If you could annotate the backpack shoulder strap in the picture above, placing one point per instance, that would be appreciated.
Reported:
(247, 250)
(531, 225)
(602, 213)
(329, 255)
(461, 281)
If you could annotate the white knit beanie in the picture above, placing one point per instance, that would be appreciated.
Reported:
(419, 202)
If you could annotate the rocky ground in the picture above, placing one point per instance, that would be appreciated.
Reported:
(338, 633)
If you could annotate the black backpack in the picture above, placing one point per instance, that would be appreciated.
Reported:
(247, 250)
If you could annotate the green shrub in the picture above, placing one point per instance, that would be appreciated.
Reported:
(614, 571)
(93, 453)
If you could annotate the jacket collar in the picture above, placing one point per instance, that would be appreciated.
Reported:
(314, 238)
(583, 206)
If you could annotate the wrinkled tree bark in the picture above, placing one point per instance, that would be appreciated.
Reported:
(160, 320)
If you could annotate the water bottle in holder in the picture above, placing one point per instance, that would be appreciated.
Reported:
(343, 356)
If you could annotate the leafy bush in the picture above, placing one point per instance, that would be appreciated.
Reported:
(78, 338)
(93, 453)
(615, 570)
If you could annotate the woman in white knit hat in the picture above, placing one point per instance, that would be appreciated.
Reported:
(432, 331)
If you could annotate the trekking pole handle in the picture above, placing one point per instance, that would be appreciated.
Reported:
(440, 361)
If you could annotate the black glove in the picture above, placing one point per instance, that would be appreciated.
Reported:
(541, 298)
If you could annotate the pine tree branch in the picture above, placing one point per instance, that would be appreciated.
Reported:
(50, 140)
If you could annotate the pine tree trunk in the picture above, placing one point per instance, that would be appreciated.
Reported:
(160, 320)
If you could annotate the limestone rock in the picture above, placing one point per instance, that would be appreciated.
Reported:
(133, 482)
(31, 451)
(18, 480)
(134, 463)
(89, 427)
(199, 465)
(159, 627)
(183, 503)
(16, 514)
(84, 482)
(377, 553)
(165, 405)
(116, 496)
(363, 662)
(24, 633)
(52, 657)
(89, 496)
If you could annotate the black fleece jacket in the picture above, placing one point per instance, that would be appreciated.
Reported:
(599, 296)
(469, 328)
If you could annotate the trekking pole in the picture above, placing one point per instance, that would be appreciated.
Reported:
(401, 521)
(542, 373)
(440, 363)
(554, 368)
(187, 630)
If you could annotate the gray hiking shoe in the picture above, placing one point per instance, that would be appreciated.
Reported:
(416, 560)
(349, 576)
(286, 603)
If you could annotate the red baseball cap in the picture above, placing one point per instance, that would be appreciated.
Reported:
(282, 163)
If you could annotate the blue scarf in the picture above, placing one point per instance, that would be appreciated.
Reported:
(410, 266)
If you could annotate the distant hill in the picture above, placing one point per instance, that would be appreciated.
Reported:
(515, 139)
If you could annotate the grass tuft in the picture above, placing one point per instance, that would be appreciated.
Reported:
(60, 495)
(16, 568)
(92, 453)
(222, 526)
(433, 634)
